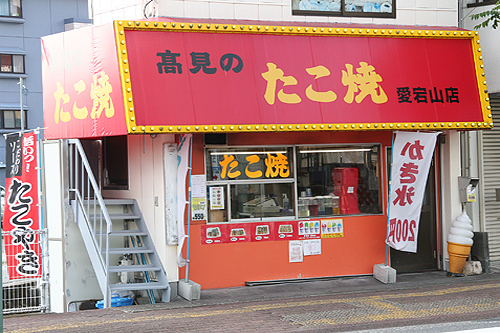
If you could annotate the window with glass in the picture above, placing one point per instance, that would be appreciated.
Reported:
(10, 8)
(476, 3)
(250, 183)
(338, 180)
(12, 63)
(115, 162)
(282, 183)
(11, 119)
(365, 8)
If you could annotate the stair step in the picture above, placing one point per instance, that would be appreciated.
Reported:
(119, 201)
(137, 286)
(124, 216)
(125, 233)
(120, 211)
(134, 268)
(109, 202)
(127, 250)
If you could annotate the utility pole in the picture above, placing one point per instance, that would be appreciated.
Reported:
(21, 91)
(1, 279)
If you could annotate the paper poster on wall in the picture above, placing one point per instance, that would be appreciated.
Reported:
(471, 193)
(239, 232)
(295, 251)
(309, 229)
(285, 230)
(262, 231)
(213, 234)
(312, 247)
(216, 197)
(332, 228)
(198, 186)
(198, 209)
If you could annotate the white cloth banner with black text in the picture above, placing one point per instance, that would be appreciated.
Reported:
(183, 150)
(411, 158)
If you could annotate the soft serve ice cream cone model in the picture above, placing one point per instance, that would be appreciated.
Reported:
(460, 242)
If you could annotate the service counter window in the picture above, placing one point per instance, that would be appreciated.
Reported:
(283, 183)
(261, 200)
(250, 184)
(338, 180)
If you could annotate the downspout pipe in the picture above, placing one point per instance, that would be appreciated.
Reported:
(189, 209)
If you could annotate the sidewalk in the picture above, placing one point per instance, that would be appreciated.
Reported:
(330, 305)
(328, 287)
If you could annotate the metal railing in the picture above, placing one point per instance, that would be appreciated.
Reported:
(23, 294)
(95, 215)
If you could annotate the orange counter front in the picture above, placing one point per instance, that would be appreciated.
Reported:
(231, 265)
(361, 246)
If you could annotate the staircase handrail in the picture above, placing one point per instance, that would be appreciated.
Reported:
(102, 208)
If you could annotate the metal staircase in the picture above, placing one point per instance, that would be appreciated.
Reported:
(114, 229)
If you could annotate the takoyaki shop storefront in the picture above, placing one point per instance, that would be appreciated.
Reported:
(291, 127)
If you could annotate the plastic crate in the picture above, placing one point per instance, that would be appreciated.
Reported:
(116, 301)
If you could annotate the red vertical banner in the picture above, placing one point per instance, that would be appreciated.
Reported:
(21, 215)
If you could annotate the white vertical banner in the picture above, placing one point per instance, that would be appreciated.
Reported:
(411, 159)
(182, 199)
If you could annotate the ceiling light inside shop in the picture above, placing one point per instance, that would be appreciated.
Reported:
(333, 150)
(248, 152)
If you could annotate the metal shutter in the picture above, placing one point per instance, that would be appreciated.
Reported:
(491, 167)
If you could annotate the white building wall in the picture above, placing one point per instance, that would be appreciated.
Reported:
(54, 217)
(146, 185)
(71, 276)
(102, 11)
(490, 45)
(490, 48)
(409, 12)
(450, 170)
